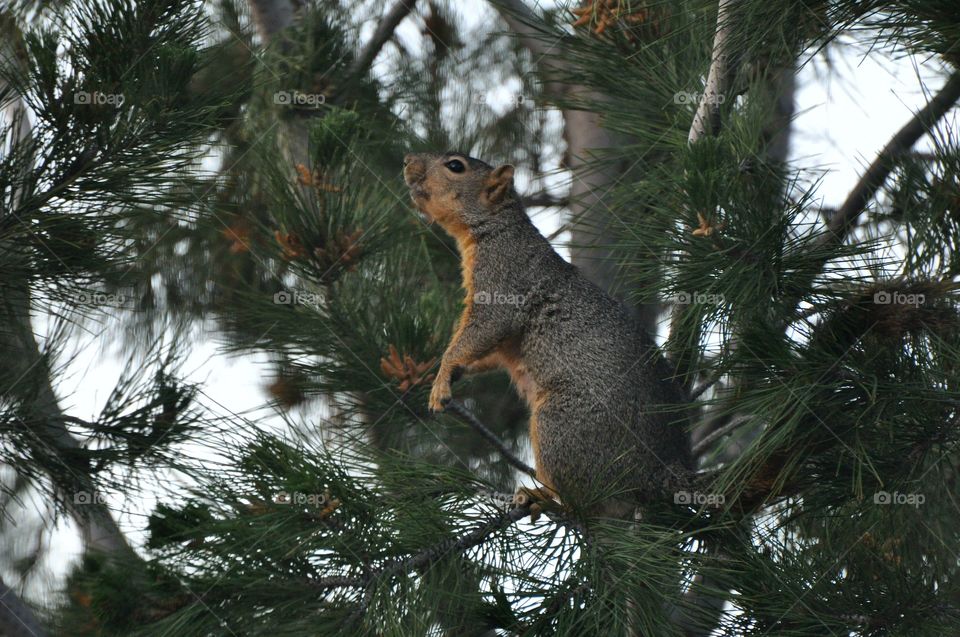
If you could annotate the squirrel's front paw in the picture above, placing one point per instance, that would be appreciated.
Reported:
(440, 395)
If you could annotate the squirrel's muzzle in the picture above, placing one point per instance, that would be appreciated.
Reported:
(414, 173)
(414, 169)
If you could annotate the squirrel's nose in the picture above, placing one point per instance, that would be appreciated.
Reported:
(413, 168)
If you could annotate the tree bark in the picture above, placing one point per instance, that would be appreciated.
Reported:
(16, 618)
(272, 16)
(593, 222)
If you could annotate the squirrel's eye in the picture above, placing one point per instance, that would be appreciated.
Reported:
(455, 166)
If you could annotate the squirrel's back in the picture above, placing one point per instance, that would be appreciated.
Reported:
(607, 409)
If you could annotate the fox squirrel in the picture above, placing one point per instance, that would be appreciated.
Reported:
(604, 411)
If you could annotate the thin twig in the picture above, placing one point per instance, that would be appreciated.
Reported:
(697, 392)
(564, 227)
(458, 409)
(338, 581)
(545, 200)
(384, 32)
(719, 433)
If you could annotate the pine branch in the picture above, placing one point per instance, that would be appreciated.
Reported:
(569, 590)
(424, 558)
(100, 531)
(384, 32)
(476, 537)
(465, 415)
(27, 364)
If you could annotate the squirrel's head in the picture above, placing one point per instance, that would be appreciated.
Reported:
(459, 192)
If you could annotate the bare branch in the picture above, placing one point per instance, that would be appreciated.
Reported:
(706, 121)
(719, 433)
(564, 227)
(846, 218)
(544, 200)
(707, 118)
(338, 581)
(901, 143)
(465, 415)
(384, 32)
(699, 391)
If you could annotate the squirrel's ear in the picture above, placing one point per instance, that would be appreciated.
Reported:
(498, 184)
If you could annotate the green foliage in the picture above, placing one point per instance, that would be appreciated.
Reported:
(833, 413)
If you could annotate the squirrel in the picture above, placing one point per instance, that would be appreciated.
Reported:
(607, 420)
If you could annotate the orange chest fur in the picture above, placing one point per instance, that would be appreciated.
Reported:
(506, 354)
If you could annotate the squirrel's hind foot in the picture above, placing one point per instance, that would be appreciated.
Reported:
(539, 499)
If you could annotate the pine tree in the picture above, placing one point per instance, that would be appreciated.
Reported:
(820, 347)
